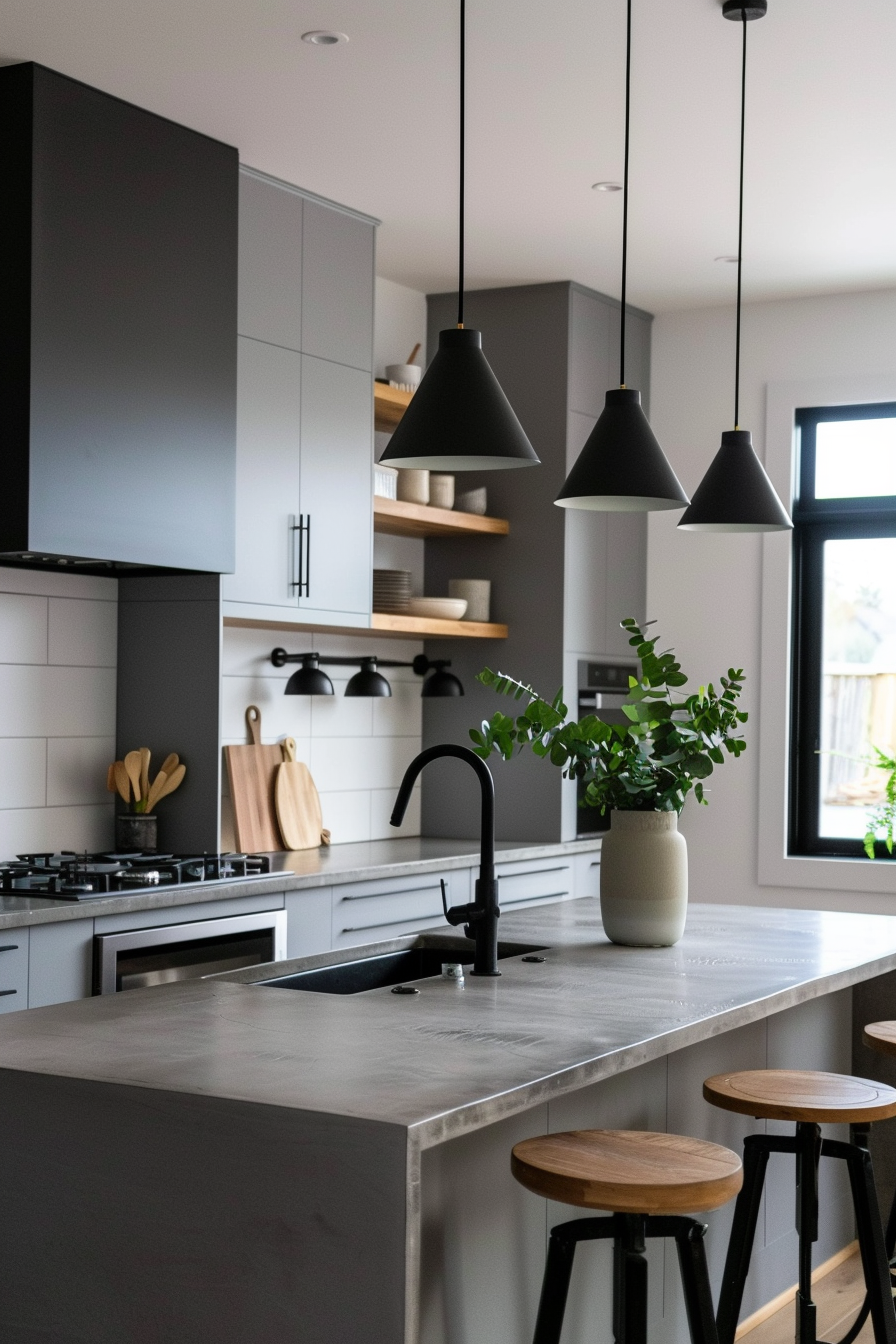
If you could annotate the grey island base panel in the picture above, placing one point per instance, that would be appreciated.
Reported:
(238, 1163)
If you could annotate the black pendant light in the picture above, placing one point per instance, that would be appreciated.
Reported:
(459, 418)
(736, 494)
(622, 468)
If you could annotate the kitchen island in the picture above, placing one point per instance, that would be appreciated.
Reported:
(222, 1161)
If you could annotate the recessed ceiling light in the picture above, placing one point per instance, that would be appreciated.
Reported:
(322, 37)
(727, 258)
(606, 186)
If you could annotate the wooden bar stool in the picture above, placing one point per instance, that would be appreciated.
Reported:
(809, 1099)
(881, 1036)
(647, 1182)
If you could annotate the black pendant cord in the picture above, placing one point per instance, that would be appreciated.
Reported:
(460, 246)
(628, 94)
(740, 221)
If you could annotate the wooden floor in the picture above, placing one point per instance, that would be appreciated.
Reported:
(839, 1296)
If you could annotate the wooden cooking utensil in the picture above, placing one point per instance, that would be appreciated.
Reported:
(122, 783)
(110, 778)
(170, 763)
(298, 803)
(155, 790)
(145, 757)
(413, 355)
(132, 765)
(172, 782)
(251, 770)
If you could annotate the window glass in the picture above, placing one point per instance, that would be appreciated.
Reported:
(855, 458)
(858, 700)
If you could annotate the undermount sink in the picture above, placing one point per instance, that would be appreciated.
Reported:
(388, 968)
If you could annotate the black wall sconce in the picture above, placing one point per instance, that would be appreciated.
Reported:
(308, 679)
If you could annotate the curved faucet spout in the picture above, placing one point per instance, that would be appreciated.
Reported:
(482, 914)
(487, 786)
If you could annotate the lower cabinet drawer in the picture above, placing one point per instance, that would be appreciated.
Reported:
(13, 970)
(362, 915)
(522, 884)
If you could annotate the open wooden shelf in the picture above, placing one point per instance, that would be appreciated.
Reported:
(389, 405)
(384, 626)
(421, 626)
(401, 519)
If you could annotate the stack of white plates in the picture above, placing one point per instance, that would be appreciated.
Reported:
(391, 589)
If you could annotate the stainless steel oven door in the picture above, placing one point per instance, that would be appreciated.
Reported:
(144, 957)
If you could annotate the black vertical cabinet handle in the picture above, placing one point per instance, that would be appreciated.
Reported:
(307, 592)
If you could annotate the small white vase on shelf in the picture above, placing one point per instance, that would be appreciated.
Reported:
(644, 879)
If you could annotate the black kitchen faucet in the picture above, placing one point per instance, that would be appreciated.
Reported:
(480, 917)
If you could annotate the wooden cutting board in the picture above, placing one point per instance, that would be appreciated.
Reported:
(298, 803)
(251, 771)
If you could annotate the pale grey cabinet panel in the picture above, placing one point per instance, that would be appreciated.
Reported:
(13, 969)
(61, 962)
(337, 286)
(534, 883)
(585, 560)
(370, 912)
(593, 356)
(269, 421)
(626, 581)
(337, 486)
(270, 262)
(309, 922)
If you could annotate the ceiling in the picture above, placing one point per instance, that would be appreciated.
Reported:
(372, 123)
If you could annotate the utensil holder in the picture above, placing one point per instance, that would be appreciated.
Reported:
(136, 830)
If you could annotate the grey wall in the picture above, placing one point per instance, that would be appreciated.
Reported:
(525, 337)
(169, 696)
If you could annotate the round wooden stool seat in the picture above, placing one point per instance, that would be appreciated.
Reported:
(881, 1036)
(801, 1095)
(628, 1171)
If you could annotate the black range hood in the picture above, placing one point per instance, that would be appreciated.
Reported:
(118, 285)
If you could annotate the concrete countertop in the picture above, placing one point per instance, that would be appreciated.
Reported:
(448, 1060)
(296, 871)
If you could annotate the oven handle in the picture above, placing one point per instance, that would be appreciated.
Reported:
(106, 946)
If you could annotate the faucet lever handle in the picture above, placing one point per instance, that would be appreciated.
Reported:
(456, 914)
(444, 898)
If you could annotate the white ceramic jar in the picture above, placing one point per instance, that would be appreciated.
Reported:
(644, 879)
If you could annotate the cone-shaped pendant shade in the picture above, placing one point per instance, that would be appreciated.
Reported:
(622, 468)
(459, 419)
(736, 494)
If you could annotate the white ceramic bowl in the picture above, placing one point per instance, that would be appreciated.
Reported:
(405, 376)
(438, 608)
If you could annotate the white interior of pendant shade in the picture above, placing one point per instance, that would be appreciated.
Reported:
(464, 463)
(620, 503)
(733, 527)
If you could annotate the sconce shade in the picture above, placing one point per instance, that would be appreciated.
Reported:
(622, 468)
(368, 682)
(459, 418)
(309, 680)
(442, 683)
(736, 494)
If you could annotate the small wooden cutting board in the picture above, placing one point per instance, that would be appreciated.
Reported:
(298, 803)
(251, 770)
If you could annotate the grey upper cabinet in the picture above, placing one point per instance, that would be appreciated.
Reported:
(304, 539)
(337, 286)
(270, 262)
(269, 404)
(337, 487)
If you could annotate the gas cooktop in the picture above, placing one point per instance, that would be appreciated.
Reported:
(67, 876)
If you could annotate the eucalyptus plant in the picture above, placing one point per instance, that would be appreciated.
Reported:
(668, 747)
(882, 817)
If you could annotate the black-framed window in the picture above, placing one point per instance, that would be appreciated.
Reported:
(843, 694)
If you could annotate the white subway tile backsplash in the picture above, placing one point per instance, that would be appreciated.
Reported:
(76, 770)
(357, 748)
(23, 628)
(56, 701)
(346, 816)
(46, 828)
(83, 632)
(23, 772)
(281, 715)
(55, 583)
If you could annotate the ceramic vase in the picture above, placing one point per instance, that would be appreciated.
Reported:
(644, 879)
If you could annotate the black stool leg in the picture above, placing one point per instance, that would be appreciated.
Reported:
(871, 1239)
(743, 1230)
(695, 1281)
(629, 1280)
(808, 1152)
(555, 1285)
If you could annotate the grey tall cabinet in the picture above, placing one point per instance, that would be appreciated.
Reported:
(304, 530)
(562, 580)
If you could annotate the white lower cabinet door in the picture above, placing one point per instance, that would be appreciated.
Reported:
(61, 962)
(533, 883)
(13, 969)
